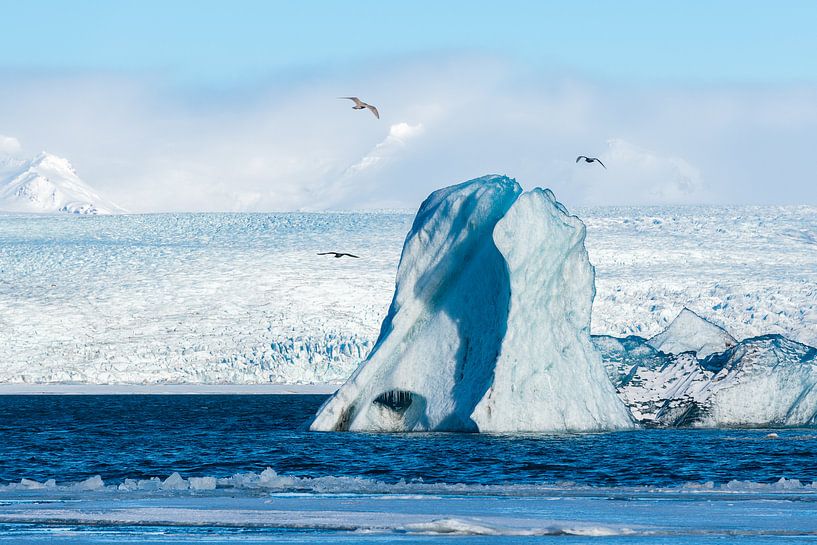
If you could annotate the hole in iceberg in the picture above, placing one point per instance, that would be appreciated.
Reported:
(396, 400)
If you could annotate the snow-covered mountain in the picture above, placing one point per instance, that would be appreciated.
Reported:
(48, 183)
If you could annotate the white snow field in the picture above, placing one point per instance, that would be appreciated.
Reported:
(47, 183)
(242, 298)
(489, 326)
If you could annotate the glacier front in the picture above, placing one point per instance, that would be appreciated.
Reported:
(488, 329)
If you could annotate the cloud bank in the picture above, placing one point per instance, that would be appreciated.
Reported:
(286, 143)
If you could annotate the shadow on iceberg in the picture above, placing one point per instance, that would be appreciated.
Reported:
(488, 329)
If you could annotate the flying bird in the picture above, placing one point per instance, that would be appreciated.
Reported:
(360, 105)
(338, 254)
(590, 160)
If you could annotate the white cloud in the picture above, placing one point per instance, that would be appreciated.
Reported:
(635, 175)
(399, 134)
(9, 145)
(289, 143)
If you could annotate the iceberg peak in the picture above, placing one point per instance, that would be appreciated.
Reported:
(689, 332)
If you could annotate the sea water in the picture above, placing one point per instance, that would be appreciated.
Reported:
(244, 468)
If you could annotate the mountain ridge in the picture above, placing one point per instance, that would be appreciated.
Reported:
(47, 183)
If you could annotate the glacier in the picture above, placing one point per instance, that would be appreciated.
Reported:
(242, 298)
(489, 326)
(47, 183)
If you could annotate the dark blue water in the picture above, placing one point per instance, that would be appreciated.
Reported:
(71, 438)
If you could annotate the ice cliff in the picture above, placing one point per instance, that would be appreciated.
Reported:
(488, 329)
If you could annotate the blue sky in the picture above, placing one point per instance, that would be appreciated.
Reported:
(687, 41)
(231, 105)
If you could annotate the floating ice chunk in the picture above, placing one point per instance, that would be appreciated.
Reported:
(689, 332)
(493, 297)
(175, 482)
(202, 483)
(763, 381)
(91, 483)
(31, 484)
(154, 483)
(268, 476)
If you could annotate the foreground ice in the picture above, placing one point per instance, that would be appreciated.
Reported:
(489, 326)
(270, 481)
(269, 507)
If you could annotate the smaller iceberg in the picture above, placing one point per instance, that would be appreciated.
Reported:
(761, 381)
(688, 332)
(766, 380)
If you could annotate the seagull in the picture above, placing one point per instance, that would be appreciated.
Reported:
(338, 254)
(590, 160)
(360, 105)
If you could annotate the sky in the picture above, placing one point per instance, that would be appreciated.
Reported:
(209, 106)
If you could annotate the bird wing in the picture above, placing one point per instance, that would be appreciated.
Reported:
(580, 157)
(326, 253)
(374, 110)
(351, 255)
(356, 100)
(599, 160)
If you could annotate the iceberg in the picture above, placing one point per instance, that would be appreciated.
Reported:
(488, 329)
(761, 381)
(688, 332)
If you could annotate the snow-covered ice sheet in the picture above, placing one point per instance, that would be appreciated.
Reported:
(242, 298)
(751, 270)
(215, 298)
